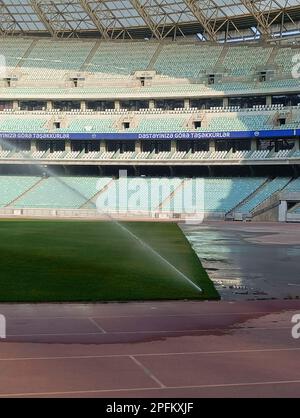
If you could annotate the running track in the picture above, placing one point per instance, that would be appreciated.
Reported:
(165, 349)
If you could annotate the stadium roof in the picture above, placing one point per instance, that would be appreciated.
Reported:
(114, 19)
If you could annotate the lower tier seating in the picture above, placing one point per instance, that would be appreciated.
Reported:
(141, 194)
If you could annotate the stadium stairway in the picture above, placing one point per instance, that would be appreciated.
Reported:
(91, 203)
(12, 186)
(171, 196)
(220, 62)
(295, 209)
(230, 215)
(85, 65)
(271, 60)
(153, 60)
(26, 54)
(260, 196)
(13, 202)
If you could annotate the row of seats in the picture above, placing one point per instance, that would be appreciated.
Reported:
(168, 89)
(51, 60)
(212, 194)
(166, 155)
(173, 122)
(122, 58)
(187, 61)
(179, 195)
(13, 124)
(45, 59)
(66, 193)
(243, 60)
(268, 189)
(147, 111)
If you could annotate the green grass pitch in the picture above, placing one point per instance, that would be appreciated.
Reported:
(55, 261)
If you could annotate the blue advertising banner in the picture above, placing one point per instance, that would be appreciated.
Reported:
(279, 133)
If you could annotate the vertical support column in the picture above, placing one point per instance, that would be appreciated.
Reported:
(173, 147)
(151, 104)
(101, 170)
(225, 102)
(212, 145)
(83, 106)
(138, 147)
(49, 106)
(297, 144)
(269, 100)
(187, 103)
(68, 147)
(102, 146)
(137, 171)
(33, 147)
(117, 105)
(282, 212)
(253, 144)
(15, 105)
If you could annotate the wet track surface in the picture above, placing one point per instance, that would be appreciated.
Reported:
(232, 348)
(245, 265)
(165, 349)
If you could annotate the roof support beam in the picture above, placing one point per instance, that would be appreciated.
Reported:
(8, 23)
(261, 16)
(87, 8)
(147, 18)
(202, 19)
(35, 4)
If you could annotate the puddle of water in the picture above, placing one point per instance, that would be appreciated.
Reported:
(243, 270)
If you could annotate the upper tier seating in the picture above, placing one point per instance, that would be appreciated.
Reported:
(284, 58)
(122, 58)
(13, 50)
(243, 60)
(187, 60)
(48, 59)
(34, 60)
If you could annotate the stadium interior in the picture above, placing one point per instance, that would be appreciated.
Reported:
(149, 201)
(174, 105)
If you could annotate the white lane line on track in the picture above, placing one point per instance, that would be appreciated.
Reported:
(146, 332)
(161, 314)
(95, 391)
(95, 323)
(148, 372)
(186, 353)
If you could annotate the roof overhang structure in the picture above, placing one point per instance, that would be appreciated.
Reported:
(215, 20)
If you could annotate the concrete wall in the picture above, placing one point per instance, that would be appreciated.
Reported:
(94, 214)
(269, 215)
